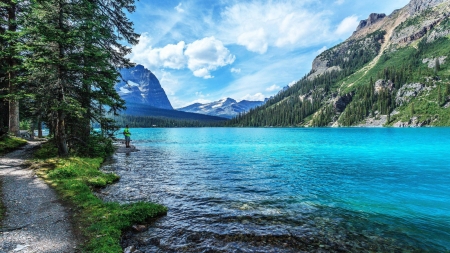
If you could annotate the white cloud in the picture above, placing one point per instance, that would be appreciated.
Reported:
(347, 26)
(258, 25)
(170, 56)
(339, 2)
(256, 97)
(203, 72)
(207, 55)
(292, 83)
(273, 88)
(178, 8)
(234, 70)
(254, 41)
(201, 56)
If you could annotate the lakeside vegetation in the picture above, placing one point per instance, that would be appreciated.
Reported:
(75, 178)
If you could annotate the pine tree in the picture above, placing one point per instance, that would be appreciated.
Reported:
(9, 37)
(437, 66)
(74, 55)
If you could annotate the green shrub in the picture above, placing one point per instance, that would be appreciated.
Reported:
(47, 150)
(9, 143)
(96, 146)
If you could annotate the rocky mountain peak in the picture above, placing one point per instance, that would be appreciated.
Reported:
(140, 86)
(373, 18)
(416, 6)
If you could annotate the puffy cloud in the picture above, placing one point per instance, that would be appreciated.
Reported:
(258, 25)
(347, 26)
(273, 88)
(206, 55)
(256, 97)
(201, 56)
(203, 72)
(170, 56)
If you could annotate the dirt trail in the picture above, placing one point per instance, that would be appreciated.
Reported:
(35, 220)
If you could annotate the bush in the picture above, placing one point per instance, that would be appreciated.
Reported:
(96, 146)
(9, 143)
(47, 150)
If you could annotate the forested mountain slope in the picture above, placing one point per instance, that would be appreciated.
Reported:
(393, 71)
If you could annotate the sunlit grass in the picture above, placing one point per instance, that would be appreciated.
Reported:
(9, 143)
(100, 222)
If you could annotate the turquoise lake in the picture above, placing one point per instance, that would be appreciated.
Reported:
(289, 189)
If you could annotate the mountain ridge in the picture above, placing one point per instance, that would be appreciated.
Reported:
(358, 80)
(227, 107)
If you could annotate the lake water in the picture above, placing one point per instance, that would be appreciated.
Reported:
(289, 189)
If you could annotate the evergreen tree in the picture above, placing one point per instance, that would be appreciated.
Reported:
(9, 56)
(74, 55)
(437, 66)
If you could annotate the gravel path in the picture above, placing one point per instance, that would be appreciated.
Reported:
(35, 220)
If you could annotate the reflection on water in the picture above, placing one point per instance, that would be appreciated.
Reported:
(263, 196)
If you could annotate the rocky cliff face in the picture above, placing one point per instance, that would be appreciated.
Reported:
(373, 18)
(140, 86)
(416, 6)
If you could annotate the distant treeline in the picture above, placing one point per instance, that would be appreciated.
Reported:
(149, 121)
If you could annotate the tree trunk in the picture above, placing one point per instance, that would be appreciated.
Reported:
(13, 101)
(39, 128)
(61, 139)
(14, 117)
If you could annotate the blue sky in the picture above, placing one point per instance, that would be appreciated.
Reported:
(205, 50)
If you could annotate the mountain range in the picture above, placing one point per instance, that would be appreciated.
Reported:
(226, 108)
(394, 70)
(144, 96)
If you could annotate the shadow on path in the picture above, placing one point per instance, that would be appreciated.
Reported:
(35, 220)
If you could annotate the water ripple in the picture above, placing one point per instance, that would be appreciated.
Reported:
(289, 190)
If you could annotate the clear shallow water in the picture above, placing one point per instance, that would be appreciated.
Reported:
(288, 190)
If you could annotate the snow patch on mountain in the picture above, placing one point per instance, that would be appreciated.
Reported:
(227, 107)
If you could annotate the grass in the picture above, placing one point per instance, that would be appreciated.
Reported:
(101, 223)
(9, 143)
